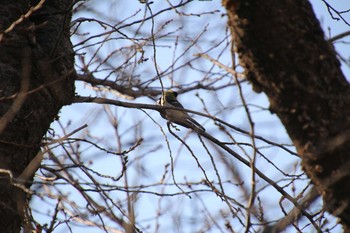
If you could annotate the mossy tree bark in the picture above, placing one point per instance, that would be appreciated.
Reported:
(285, 55)
(36, 80)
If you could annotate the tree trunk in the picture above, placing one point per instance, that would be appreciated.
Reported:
(36, 80)
(285, 55)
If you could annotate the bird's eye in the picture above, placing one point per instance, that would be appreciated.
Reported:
(175, 93)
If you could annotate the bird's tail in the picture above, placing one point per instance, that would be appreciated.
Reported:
(195, 124)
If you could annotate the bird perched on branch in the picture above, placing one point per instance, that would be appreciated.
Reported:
(176, 116)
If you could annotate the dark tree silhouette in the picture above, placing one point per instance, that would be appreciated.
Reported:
(285, 55)
(36, 80)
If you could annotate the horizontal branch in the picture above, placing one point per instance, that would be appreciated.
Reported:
(99, 100)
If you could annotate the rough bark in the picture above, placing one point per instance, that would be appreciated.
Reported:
(285, 55)
(36, 80)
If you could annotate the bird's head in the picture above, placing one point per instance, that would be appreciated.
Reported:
(170, 94)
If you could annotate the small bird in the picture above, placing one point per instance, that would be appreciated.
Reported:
(176, 116)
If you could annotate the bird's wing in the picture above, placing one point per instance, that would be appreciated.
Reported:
(177, 104)
(174, 102)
